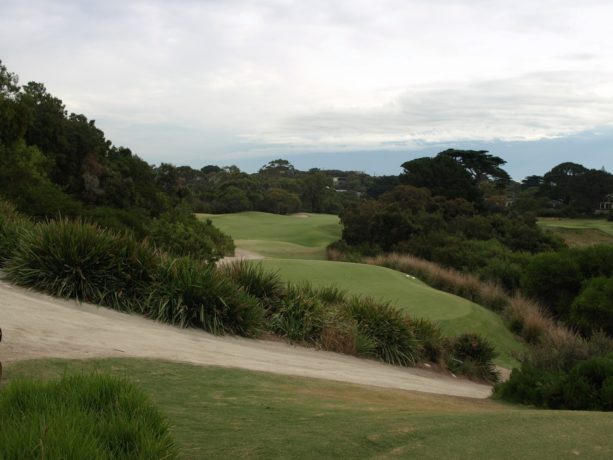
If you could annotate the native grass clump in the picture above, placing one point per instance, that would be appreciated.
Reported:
(81, 416)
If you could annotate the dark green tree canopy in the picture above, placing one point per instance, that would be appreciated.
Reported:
(443, 176)
(480, 165)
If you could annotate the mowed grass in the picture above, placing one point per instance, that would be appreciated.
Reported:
(580, 232)
(454, 314)
(230, 413)
(302, 236)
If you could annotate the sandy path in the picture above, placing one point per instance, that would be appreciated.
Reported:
(35, 325)
(240, 254)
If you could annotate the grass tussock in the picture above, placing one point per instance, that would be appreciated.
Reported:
(82, 261)
(191, 293)
(93, 417)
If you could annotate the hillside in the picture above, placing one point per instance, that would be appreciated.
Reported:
(277, 236)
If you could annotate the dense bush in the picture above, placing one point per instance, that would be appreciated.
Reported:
(472, 355)
(587, 386)
(262, 284)
(554, 280)
(12, 224)
(82, 261)
(386, 328)
(299, 317)
(181, 234)
(191, 293)
(593, 308)
(78, 417)
(573, 285)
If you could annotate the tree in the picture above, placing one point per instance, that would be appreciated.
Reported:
(277, 168)
(480, 165)
(592, 310)
(443, 176)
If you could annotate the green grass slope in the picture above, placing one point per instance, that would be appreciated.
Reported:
(295, 246)
(580, 232)
(229, 413)
(295, 236)
(454, 314)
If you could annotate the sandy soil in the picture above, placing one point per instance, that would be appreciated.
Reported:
(35, 325)
(240, 254)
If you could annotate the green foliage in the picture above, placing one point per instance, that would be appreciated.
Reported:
(430, 338)
(588, 386)
(279, 201)
(257, 282)
(191, 293)
(81, 416)
(181, 234)
(387, 328)
(553, 279)
(12, 223)
(472, 355)
(300, 317)
(593, 308)
(82, 261)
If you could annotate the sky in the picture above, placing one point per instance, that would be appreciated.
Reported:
(348, 84)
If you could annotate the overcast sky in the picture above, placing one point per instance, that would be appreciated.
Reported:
(345, 83)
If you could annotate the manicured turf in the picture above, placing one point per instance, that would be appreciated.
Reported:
(580, 232)
(454, 314)
(296, 236)
(228, 413)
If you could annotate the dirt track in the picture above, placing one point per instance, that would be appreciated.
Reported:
(36, 325)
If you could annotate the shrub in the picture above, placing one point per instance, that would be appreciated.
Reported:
(387, 328)
(264, 285)
(12, 223)
(472, 355)
(190, 293)
(300, 317)
(339, 332)
(430, 339)
(554, 279)
(593, 308)
(530, 385)
(82, 261)
(587, 386)
(94, 417)
(180, 233)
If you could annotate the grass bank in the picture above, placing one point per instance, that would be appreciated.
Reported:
(229, 413)
(454, 314)
(299, 236)
(580, 232)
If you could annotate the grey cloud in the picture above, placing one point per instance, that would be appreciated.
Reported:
(526, 107)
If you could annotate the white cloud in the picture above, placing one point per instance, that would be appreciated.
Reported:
(319, 74)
